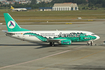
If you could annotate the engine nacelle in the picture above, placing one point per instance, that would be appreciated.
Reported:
(65, 42)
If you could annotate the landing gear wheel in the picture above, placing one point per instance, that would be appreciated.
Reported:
(90, 43)
(51, 43)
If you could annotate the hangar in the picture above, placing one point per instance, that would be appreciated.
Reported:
(45, 9)
(65, 6)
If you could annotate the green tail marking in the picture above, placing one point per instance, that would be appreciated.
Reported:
(12, 26)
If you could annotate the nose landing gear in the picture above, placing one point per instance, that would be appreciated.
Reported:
(90, 43)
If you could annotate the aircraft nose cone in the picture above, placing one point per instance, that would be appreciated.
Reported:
(97, 37)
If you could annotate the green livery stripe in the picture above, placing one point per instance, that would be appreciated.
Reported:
(44, 39)
(76, 38)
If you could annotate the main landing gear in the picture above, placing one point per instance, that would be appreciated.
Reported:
(90, 43)
(51, 43)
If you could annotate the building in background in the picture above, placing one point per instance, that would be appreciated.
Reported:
(65, 6)
(46, 1)
(14, 1)
(60, 7)
(45, 9)
(2, 0)
(7, 2)
(17, 0)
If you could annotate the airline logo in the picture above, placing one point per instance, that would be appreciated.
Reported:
(11, 24)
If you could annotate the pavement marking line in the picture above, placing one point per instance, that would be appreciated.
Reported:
(92, 54)
(74, 60)
(61, 63)
(40, 58)
(35, 59)
(42, 68)
(85, 56)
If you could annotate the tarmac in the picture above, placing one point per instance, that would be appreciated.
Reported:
(21, 55)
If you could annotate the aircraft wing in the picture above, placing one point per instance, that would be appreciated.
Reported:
(63, 41)
(55, 40)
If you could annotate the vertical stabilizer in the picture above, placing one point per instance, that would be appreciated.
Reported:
(12, 7)
(12, 26)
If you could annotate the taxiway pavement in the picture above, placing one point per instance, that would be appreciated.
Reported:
(22, 55)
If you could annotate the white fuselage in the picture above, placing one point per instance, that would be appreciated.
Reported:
(48, 34)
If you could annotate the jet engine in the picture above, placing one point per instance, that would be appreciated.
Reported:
(65, 42)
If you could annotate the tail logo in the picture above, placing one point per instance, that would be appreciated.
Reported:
(11, 24)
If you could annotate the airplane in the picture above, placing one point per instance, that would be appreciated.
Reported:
(51, 37)
(18, 9)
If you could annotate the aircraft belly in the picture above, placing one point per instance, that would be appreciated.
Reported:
(26, 38)
(31, 38)
(17, 37)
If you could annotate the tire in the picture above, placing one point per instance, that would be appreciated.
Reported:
(51, 43)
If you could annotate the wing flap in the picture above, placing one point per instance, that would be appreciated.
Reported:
(54, 40)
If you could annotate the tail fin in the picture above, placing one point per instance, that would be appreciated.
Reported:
(12, 26)
(12, 7)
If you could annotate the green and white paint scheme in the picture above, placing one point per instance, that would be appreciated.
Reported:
(60, 37)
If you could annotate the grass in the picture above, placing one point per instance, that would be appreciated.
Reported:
(26, 16)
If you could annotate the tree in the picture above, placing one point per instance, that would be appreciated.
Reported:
(33, 1)
(9, 0)
(0, 3)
